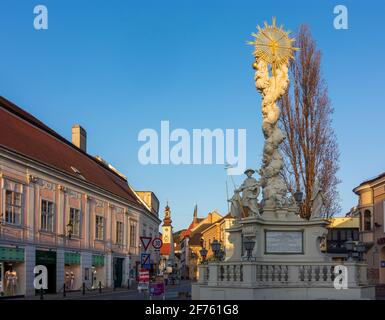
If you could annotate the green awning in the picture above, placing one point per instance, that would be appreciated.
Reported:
(11, 254)
(97, 260)
(71, 258)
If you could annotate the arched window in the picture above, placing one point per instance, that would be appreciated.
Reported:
(367, 220)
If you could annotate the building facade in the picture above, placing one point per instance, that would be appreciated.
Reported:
(64, 209)
(191, 243)
(340, 230)
(371, 212)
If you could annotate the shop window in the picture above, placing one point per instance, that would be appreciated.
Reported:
(47, 216)
(12, 207)
(367, 221)
(75, 221)
(99, 228)
(119, 232)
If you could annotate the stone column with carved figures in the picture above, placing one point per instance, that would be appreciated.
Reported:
(273, 50)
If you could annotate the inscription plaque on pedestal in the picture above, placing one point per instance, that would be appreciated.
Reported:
(284, 242)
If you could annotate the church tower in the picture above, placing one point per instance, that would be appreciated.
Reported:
(167, 234)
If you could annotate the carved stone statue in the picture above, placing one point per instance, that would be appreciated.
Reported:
(236, 209)
(250, 189)
(318, 201)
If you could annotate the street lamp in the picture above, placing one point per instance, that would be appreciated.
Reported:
(298, 197)
(221, 255)
(69, 229)
(203, 253)
(216, 247)
(249, 244)
(360, 248)
(349, 246)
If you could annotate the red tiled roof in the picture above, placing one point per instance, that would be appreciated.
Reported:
(24, 134)
(166, 249)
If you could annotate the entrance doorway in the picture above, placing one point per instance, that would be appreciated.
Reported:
(48, 259)
(118, 272)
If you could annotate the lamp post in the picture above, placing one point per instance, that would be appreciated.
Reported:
(69, 229)
(360, 248)
(249, 244)
(298, 197)
(203, 253)
(349, 246)
(216, 247)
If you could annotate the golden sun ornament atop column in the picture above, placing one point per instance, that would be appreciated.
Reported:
(273, 51)
(273, 45)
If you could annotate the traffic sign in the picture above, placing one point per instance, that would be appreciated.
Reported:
(144, 280)
(145, 242)
(145, 261)
(144, 275)
(157, 243)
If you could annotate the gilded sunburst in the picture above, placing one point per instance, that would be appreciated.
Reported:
(273, 45)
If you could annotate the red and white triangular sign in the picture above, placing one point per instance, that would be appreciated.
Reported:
(145, 242)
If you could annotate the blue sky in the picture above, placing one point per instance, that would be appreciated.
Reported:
(117, 67)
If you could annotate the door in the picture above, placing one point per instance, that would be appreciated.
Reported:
(118, 272)
(48, 259)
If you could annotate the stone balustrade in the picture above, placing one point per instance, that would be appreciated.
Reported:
(265, 274)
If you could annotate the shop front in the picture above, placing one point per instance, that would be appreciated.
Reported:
(48, 259)
(72, 271)
(12, 271)
(98, 271)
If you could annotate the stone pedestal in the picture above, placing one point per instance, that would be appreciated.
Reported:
(286, 263)
(259, 229)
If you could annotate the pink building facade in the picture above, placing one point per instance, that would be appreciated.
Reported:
(64, 209)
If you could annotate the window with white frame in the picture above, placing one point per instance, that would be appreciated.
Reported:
(133, 234)
(99, 228)
(74, 220)
(119, 232)
(13, 207)
(47, 216)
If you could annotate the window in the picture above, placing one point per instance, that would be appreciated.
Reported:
(99, 228)
(119, 232)
(133, 234)
(47, 216)
(367, 220)
(75, 221)
(12, 207)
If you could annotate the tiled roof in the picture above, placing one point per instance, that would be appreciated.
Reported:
(196, 235)
(22, 133)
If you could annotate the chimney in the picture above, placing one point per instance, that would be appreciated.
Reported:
(79, 137)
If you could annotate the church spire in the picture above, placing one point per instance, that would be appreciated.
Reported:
(195, 214)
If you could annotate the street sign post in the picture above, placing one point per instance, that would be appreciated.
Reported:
(146, 241)
(157, 243)
(145, 261)
(144, 280)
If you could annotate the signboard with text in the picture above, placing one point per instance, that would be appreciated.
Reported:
(286, 242)
(144, 279)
